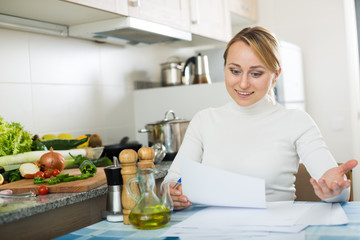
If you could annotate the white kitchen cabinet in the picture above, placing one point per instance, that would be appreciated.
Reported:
(114, 6)
(174, 13)
(55, 11)
(205, 18)
(243, 11)
(211, 19)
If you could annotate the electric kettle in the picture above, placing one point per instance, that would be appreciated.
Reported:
(201, 63)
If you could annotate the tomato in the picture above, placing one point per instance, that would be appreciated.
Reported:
(47, 173)
(55, 172)
(39, 174)
(43, 190)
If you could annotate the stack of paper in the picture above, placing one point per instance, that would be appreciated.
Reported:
(243, 213)
(280, 220)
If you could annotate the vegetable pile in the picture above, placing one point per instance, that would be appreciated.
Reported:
(25, 156)
(13, 138)
(87, 169)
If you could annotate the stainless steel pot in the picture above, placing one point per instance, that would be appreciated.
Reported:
(169, 132)
(171, 73)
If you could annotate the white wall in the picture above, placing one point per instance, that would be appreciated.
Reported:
(331, 86)
(54, 85)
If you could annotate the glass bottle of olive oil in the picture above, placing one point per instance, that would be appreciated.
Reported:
(149, 212)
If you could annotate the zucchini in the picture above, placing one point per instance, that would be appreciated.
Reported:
(64, 144)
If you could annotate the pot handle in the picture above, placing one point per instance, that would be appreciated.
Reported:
(143, 130)
(167, 115)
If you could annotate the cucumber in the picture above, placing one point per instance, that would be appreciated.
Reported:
(64, 144)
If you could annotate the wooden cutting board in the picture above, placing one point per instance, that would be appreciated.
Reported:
(27, 185)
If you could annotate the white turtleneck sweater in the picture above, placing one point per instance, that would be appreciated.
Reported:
(263, 140)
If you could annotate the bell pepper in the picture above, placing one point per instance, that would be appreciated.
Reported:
(87, 167)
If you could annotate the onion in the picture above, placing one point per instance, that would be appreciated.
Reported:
(52, 160)
(28, 170)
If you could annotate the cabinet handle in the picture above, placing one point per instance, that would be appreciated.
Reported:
(134, 3)
(194, 11)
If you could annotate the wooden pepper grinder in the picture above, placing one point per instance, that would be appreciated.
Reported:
(128, 159)
(146, 159)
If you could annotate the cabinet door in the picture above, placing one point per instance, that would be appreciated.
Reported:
(173, 13)
(210, 18)
(246, 10)
(114, 6)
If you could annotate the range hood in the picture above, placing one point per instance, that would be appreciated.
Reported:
(128, 30)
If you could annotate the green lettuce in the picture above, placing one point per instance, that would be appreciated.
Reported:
(13, 138)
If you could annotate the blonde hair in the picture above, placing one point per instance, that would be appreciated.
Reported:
(263, 43)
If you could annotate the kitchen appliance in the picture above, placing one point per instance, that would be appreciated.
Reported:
(201, 74)
(173, 73)
(289, 88)
(169, 132)
(114, 181)
(128, 29)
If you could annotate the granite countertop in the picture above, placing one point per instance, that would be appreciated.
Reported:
(15, 209)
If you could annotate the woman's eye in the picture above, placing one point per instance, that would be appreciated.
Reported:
(234, 71)
(256, 74)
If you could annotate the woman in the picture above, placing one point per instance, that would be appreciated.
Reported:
(255, 136)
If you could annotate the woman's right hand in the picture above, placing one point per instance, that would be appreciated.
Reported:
(180, 201)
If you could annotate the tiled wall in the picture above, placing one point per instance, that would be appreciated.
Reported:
(55, 85)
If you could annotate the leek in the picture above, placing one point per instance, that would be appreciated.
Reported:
(35, 156)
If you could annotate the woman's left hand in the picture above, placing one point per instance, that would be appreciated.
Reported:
(332, 183)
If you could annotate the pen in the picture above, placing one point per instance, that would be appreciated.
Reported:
(177, 183)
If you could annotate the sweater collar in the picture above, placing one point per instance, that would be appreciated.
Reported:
(263, 106)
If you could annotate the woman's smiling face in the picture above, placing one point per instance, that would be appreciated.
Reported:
(246, 77)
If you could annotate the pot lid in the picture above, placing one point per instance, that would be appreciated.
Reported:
(168, 120)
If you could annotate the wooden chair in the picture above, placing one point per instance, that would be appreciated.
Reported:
(304, 189)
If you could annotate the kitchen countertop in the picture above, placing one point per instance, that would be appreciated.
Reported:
(16, 209)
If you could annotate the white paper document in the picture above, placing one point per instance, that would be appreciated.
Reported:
(208, 185)
(280, 220)
(278, 214)
(323, 214)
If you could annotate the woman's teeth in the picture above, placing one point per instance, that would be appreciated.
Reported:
(244, 93)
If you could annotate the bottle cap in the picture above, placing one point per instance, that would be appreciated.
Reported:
(113, 175)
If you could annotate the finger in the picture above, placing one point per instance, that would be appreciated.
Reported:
(345, 184)
(170, 186)
(180, 198)
(345, 167)
(317, 189)
(175, 192)
(325, 188)
(181, 205)
(336, 188)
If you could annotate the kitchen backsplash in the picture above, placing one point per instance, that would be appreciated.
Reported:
(54, 84)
